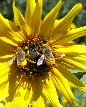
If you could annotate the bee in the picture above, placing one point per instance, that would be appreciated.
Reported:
(21, 60)
(23, 57)
(20, 57)
(47, 55)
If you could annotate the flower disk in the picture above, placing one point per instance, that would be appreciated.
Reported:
(36, 56)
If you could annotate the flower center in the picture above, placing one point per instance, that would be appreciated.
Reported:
(31, 58)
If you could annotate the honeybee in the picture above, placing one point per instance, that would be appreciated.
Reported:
(21, 60)
(20, 57)
(47, 55)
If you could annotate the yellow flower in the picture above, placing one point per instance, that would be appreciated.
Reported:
(35, 56)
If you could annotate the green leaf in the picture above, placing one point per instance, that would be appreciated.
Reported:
(79, 75)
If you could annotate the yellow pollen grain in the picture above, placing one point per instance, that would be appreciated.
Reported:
(34, 69)
(30, 72)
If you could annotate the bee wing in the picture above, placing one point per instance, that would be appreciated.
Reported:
(40, 60)
(10, 62)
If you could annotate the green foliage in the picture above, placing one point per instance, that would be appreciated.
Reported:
(79, 75)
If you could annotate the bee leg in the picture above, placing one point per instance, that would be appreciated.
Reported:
(54, 65)
(30, 60)
(38, 53)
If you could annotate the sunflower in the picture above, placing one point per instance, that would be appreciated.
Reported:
(36, 54)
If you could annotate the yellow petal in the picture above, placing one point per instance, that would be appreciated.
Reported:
(5, 58)
(4, 69)
(65, 91)
(4, 92)
(63, 85)
(65, 22)
(4, 75)
(28, 95)
(37, 88)
(6, 30)
(14, 29)
(31, 4)
(19, 20)
(10, 37)
(67, 65)
(12, 78)
(69, 76)
(15, 104)
(8, 41)
(79, 88)
(5, 55)
(77, 57)
(80, 58)
(6, 48)
(50, 93)
(75, 33)
(48, 22)
(13, 26)
(36, 18)
(72, 34)
(19, 101)
(72, 26)
(75, 64)
(39, 102)
(4, 22)
(17, 30)
(72, 49)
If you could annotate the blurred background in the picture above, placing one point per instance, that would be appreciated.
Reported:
(80, 20)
